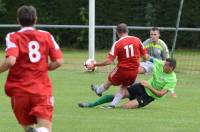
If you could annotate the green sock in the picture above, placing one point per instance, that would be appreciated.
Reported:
(102, 100)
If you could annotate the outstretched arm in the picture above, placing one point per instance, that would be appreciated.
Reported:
(105, 62)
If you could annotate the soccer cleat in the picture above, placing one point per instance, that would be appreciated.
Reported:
(109, 106)
(31, 129)
(94, 89)
(84, 105)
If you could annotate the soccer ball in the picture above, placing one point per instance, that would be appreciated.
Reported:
(88, 63)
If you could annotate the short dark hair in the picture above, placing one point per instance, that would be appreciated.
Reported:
(172, 62)
(122, 28)
(155, 29)
(27, 15)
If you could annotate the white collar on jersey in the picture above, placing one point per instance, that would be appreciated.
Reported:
(26, 28)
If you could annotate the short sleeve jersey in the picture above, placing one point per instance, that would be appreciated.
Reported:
(160, 79)
(157, 50)
(128, 51)
(32, 49)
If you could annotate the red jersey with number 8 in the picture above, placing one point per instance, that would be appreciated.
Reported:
(128, 51)
(33, 49)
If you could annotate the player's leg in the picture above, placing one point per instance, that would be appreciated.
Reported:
(118, 96)
(138, 97)
(21, 108)
(131, 93)
(42, 109)
(101, 100)
(125, 78)
(105, 86)
(131, 104)
(109, 82)
(99, 90)
(126, 94)
(145, 67)
(43, 125)
(29, 128)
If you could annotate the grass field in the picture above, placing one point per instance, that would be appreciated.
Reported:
(71, 86)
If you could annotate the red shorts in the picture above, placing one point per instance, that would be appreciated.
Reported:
(28, 108)
(121, 76)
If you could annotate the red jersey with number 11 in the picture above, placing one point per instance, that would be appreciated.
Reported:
(32, 48)
(128, 51)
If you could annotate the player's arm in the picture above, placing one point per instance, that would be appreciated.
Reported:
(110, 58)
(11, 53)
(143, 50)
(153, 90)
(7, 63)
(165, 52)
(174, 95)
(55, 64)
(105, 62)
(56, 56)
(145, 57)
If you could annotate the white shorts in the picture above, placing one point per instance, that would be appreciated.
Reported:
(148, 66)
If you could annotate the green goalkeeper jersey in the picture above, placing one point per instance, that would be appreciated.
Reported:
(160, 79)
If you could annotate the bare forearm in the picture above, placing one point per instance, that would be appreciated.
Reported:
(146, 57)
(55, 64)
(156, 92)
(4, 67)
(7, 63)
(104, 63)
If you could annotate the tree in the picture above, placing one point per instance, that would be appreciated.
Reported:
(2, 8)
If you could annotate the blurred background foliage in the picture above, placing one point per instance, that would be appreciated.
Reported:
(162, 13)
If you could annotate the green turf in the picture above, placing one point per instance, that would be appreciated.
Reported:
(71, 86)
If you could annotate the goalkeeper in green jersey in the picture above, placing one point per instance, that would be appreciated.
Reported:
(156, 48)
(140, 94)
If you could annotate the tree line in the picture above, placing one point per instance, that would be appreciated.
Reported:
(161, 13)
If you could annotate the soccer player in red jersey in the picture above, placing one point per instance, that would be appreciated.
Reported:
(30, 54)
(128, 50)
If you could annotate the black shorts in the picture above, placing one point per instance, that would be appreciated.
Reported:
(137, 91)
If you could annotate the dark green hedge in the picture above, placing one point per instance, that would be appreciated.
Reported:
(108, 12)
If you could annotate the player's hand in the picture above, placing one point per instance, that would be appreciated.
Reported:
(144, 83)
(174, 95)
(90, 66)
